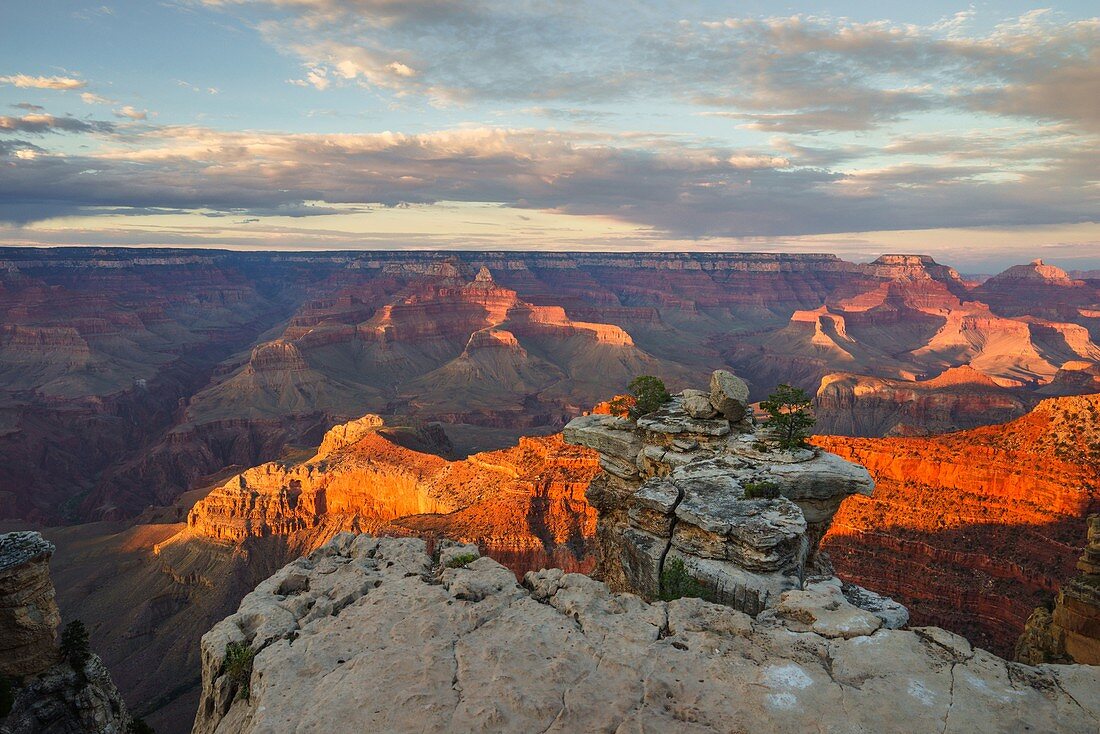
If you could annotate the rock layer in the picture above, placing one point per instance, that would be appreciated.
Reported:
(28, 612)
(1072, 631)
(370, 635)
(710, 496)
(973, 530)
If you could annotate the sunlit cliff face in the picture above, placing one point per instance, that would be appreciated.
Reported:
(975, 529)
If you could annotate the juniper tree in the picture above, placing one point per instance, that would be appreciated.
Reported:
(789, 417)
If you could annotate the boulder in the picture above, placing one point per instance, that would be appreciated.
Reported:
(697, 404)
(729, 394)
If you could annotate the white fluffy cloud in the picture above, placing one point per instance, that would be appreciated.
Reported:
(26, 81)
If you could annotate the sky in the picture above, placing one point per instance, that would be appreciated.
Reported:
(969, 132)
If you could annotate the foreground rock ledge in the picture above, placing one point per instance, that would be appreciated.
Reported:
(371, 635)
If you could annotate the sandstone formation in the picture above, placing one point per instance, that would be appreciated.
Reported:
(1072, 631)
(28, 612)
(973, 530)
(45, 692)
(524, 505)
(371, 635)
(743, 517)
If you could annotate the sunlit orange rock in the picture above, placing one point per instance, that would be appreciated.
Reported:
(973, 530)
(525, 505)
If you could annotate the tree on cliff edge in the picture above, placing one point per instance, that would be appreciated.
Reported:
(789, 417)
(647, 394)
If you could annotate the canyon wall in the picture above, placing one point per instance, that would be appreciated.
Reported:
(973, 530)
(128, 377)
(46, 687)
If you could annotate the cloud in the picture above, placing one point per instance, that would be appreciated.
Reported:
(132, 113)
(678, 188)
(37, 123)
(25, 81)
(89, 98)
(800, 74)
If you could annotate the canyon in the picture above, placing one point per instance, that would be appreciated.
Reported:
(128, 377)
(222, 414)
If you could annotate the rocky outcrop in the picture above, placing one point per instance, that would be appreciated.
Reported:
(46, 692)
(712, 498)
(973, 530)
(1072, 631)
(371, 635)
(28, 612)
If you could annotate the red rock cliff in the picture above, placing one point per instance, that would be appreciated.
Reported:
(972, 530)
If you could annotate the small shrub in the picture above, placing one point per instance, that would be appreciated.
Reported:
(761, 490)
(74, 644)
(677, 583)
(620, 405)
(649, 394)
(789, 417)
(462, 560)
(237, 666)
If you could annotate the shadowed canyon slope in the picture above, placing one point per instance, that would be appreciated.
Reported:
(973, 530)
(128, 377)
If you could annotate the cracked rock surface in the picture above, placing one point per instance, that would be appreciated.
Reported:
(371, 635)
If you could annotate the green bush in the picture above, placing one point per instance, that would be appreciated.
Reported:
(649, 394)
(237, 666)
(761, 490)
(789, 417)
(462, 560)
(677, 583)
(74, 644)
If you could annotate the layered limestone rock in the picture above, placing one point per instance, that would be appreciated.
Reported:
(371, 635)
(28, 612)
(1072, 631)
(711, 498)
(47, 692)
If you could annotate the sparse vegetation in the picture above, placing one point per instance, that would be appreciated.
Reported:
(237, 666)
(74, 644)
(677, 583)
(647, 394)
(761, 490)
(789, 416)
(462, 560)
